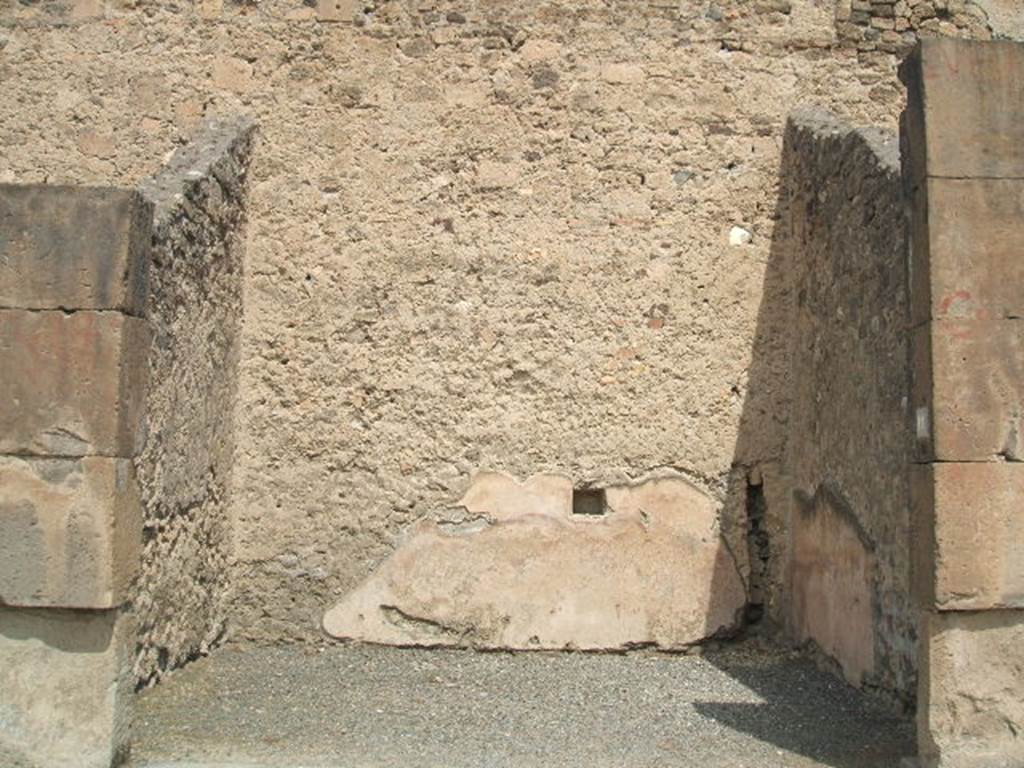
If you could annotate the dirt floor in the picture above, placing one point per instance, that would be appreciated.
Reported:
(370, 706)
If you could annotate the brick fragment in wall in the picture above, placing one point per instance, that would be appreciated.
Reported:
(336, 10)
(74, 384)
(232, 73)
(70, 531)
(73, 248)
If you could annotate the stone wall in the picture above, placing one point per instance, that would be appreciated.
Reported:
(519, 237)
(486, 237)
(73, 265)
(842, 239)
(185, 465)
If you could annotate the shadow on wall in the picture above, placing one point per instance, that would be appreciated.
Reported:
(821, 464)
(66, 631)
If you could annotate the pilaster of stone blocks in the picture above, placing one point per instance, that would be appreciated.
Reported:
(963, 140)
(73, 265)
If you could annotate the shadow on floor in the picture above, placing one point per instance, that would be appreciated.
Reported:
(811, 713)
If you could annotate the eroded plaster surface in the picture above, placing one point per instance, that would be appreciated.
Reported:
(515, 566)
(831, 583)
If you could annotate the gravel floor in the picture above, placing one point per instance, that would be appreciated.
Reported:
(366, 707)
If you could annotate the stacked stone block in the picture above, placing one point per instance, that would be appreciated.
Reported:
(963, 134)
(73, 344)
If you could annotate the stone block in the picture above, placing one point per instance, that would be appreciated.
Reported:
(977, 390)
(978, 527)
(70, 531)
(73, 248)
(829, 583)
(65, 687)
(73, 384)
(966, 105)
(972, 268)
(970, 708)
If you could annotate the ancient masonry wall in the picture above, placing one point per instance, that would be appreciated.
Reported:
(484, 237)
(896, 25)
(842, 241)
(185, 465)
(963, 133)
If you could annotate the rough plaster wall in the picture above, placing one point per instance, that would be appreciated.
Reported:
(484, 236)
(849, 438)
(185, 465)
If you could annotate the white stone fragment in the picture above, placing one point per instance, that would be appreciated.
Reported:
(739, 236)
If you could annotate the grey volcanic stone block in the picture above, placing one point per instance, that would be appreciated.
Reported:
(73, 247)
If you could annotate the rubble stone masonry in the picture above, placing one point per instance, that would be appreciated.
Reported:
(841, 244)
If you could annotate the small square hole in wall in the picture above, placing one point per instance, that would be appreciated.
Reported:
(589, 502)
